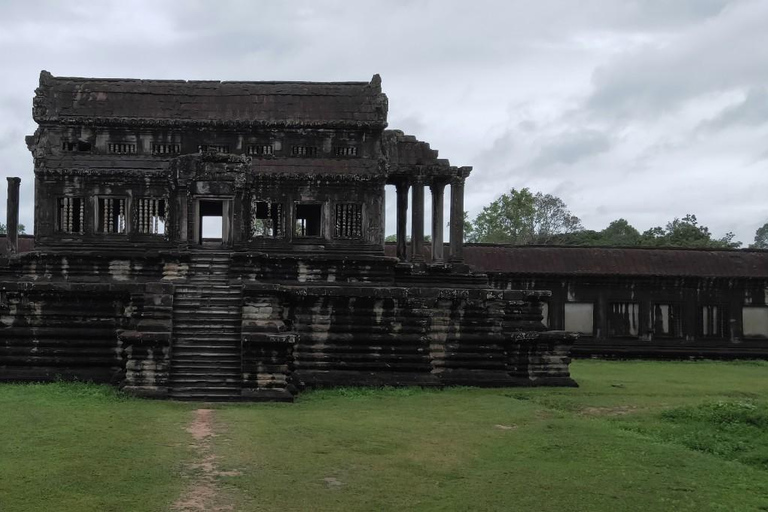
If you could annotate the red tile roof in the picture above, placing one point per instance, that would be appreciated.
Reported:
(604, 261)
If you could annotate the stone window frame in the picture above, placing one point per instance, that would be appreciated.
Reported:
(304, 151)
(724, 322)
(58, 228)
(209, 147)
(638, 316)
(594, 316)
(743, 331)
(174, 148)
(278, 233)
(355, 230)
(348, 151)
(321, 209)
(98, 210)
(680, 329)
(122, 147)
(265, 149)
(140, 219)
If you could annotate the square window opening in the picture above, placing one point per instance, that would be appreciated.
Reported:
(667, 320)
(151, 216)
(111, 215)
(349, 220)
(267, 219)
(712, 321)
(579, 317)
(308, 220)
(623, 319)
(70, 215)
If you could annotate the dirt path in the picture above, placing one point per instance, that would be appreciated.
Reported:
(203, 492)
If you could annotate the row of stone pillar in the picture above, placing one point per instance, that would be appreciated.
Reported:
(437, 188)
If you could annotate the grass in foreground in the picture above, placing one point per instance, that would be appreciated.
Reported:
(82, 447)
(635, 436)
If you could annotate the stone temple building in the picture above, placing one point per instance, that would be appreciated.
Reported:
(204, 240)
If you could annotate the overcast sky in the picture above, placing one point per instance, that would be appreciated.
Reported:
(641, 109)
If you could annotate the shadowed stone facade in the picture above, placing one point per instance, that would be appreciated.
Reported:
(291, 288)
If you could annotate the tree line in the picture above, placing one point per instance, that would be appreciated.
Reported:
(4, 229)
(521, 217)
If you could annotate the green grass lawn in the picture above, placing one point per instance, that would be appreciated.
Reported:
(640, 436)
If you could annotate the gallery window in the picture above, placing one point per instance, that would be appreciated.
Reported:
(712, 322)
(261, 149)
(151, 216)
(304, 151)
(70, 215)
(755, 321)
(579, 317)
(110, 215)
(71, 146)
(623, 319)
(349, 220)
(121, 148)
(308, 219)
(667, 320)
(166, 149)
(267, 219)
(345, 151)
(213, 148)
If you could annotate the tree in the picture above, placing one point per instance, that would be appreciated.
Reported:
(761, 238)
(619, 233)
(687, 232)
(520, 217)
(4, 229)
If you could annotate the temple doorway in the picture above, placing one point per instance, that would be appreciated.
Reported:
(213, 222)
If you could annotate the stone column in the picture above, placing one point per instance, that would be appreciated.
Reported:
(402, 218)
(457, 218)
(417, 222)
(12, 215)
(437, 189)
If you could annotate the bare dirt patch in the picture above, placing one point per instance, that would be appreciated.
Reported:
(203, 494)
(619, 410)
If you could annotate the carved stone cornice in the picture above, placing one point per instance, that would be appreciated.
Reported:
(39, 114)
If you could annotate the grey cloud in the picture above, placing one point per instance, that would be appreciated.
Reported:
(715, 56)
(569, 148)
(751, 112)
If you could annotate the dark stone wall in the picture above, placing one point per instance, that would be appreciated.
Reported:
(687, 294)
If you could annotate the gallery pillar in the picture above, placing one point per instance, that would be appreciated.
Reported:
(457, 218)
(12, 215)
(417, 222)
(438, 190)
(402, 218)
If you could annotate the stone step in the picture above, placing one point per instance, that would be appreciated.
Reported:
(185, 347)
(211, 354)
(198, 304)
(223, 289)
(207, 381)
(208, 312)
(193, 334)
(205, 394)
(229, 363)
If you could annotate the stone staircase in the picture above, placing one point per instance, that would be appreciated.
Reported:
(207, 314)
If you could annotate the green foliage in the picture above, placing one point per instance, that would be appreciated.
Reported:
(521, 217)
(686, 232)
(761, 238)
(73, 446)
(4, 229)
